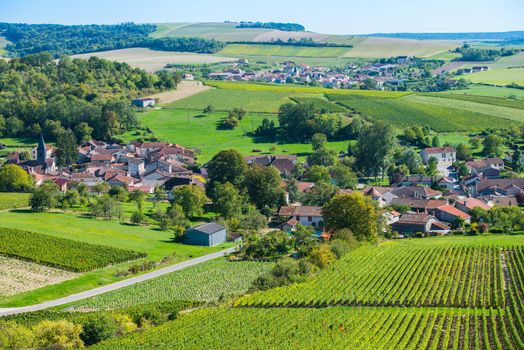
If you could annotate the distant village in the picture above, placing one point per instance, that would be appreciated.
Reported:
(371, 75)
(431, 205)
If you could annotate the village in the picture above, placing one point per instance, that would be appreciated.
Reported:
(414, 205)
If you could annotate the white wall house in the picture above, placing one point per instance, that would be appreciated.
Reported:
(305, 215)
(444, 155)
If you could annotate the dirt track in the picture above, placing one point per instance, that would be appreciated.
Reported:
(184, 89)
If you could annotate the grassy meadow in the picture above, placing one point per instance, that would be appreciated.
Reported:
(286, 51)
(498, 76)
(13, 200)
(490, 91)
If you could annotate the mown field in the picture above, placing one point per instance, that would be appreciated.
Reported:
(498, 76)
(61, 253)
(211, 281)
(491, 91)
(14, 200)
(377, 47)
(436, 293)
(286, 51)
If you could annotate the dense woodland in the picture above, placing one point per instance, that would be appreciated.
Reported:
(72, 39)
(472, 54)
(67, 40)
(89, 97)
(288, 27)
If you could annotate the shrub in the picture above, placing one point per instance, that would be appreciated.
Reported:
(98, 328)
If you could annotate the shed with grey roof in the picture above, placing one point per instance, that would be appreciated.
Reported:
(209, 234)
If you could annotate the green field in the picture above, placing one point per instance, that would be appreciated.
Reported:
(3, 43)
(434, 293)
(491, 91)
(149, 240)
(189, 128)
(60, 253)
(210, 281)
(408, 111)
(286, 51)
(498, 76)
(14, 200)
(377, 47)
(512, 103)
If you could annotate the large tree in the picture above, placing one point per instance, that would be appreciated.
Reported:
(492, 146)
(355, 212)
(375, 145)
(15, 179)
(192, 200)
(66, 150)
(227, 166)
(45, 197)
(263, 186)
(228, 200)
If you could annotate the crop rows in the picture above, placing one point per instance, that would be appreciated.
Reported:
(61, 253)
(332, 328)
(404, 113)
(452, 276)
(210, 281)
(14, 200)
(321, 104)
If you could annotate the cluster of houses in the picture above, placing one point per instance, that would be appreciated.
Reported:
(347, 77)
(474, 69)
(135, 166)
(431, 205)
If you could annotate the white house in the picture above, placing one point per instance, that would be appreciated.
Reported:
(305, 215)
(144, 102)
(444, 155)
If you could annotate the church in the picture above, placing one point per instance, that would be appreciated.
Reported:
(42, 161)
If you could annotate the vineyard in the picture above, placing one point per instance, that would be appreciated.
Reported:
(14, 200)
(211, 281)
(60, 253)
(331, 328)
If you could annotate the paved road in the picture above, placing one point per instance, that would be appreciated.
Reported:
(116, 285)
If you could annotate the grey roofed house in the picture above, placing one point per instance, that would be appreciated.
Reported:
(209, 234)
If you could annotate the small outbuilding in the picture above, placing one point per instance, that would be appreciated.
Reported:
(144, 102)
(209, 234)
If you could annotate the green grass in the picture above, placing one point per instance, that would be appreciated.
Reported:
(377, 47)
(491, 91)
(250, 100)
(286, 51)
(211, 30)
(498, 76)
(496, 101)
(210, 281)
(14, 200)
(188, 128)
(322, 104)
(328, 328)
(3, 43)
(156, 244)
(404, 112)
(60, 253)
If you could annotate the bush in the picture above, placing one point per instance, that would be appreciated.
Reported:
(98, 328)
(340, 248)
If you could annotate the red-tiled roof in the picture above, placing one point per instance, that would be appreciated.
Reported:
(454, 211)
(471, 203)
(300, 211)
(436, 150)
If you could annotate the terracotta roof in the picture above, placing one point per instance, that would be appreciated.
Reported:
(471, 203)
(409, 218)
(454, 211)
(439, 225)
(484, 184)
(376, 191)
(484, 162)
(123, 179)
(300, 211)
(436, 150)
(153, 145)
(101, 157)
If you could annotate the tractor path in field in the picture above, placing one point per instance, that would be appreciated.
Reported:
(184, 89)
(116, 285)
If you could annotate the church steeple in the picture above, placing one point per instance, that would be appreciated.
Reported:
(41, 152)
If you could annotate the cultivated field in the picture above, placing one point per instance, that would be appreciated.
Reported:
(374, 47)
(18, 276)
(184, 89)
(285, 51)
(152, 60)
(14, 200)
(61, 253)
(434, 293)
(491, 91)
(210, 281)
(498, 76)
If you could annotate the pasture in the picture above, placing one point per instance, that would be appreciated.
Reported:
(491, 91)
(377, 47)
(285, 51)
(498, 76)
(192, 129)
(152, 60)
(14, 200)
(18, 276)
(210, 281)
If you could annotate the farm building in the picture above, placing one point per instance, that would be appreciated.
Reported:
(144, 102)
(209, 234)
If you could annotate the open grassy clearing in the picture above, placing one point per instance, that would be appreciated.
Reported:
(152, 60)
(191, 129)
(514, 61)
(286, 51)
(491, 91)
(252, 101)
(210, 281)
(376, 47)
(208, 30)
(14, 200)
(331, 328)
(511, 114)
(495, 101)
(401, 113)
(18, 276)
(61, 253)
(3, 43)
(498, 76)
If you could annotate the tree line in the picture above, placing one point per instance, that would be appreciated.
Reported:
(287, 27)
(58, 40)
(468, 53)
(88, 98)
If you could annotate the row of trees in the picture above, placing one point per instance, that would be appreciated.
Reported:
(288, 27)
(302, 42)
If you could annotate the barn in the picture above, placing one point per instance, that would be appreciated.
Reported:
(144, 102)
(209, 234)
